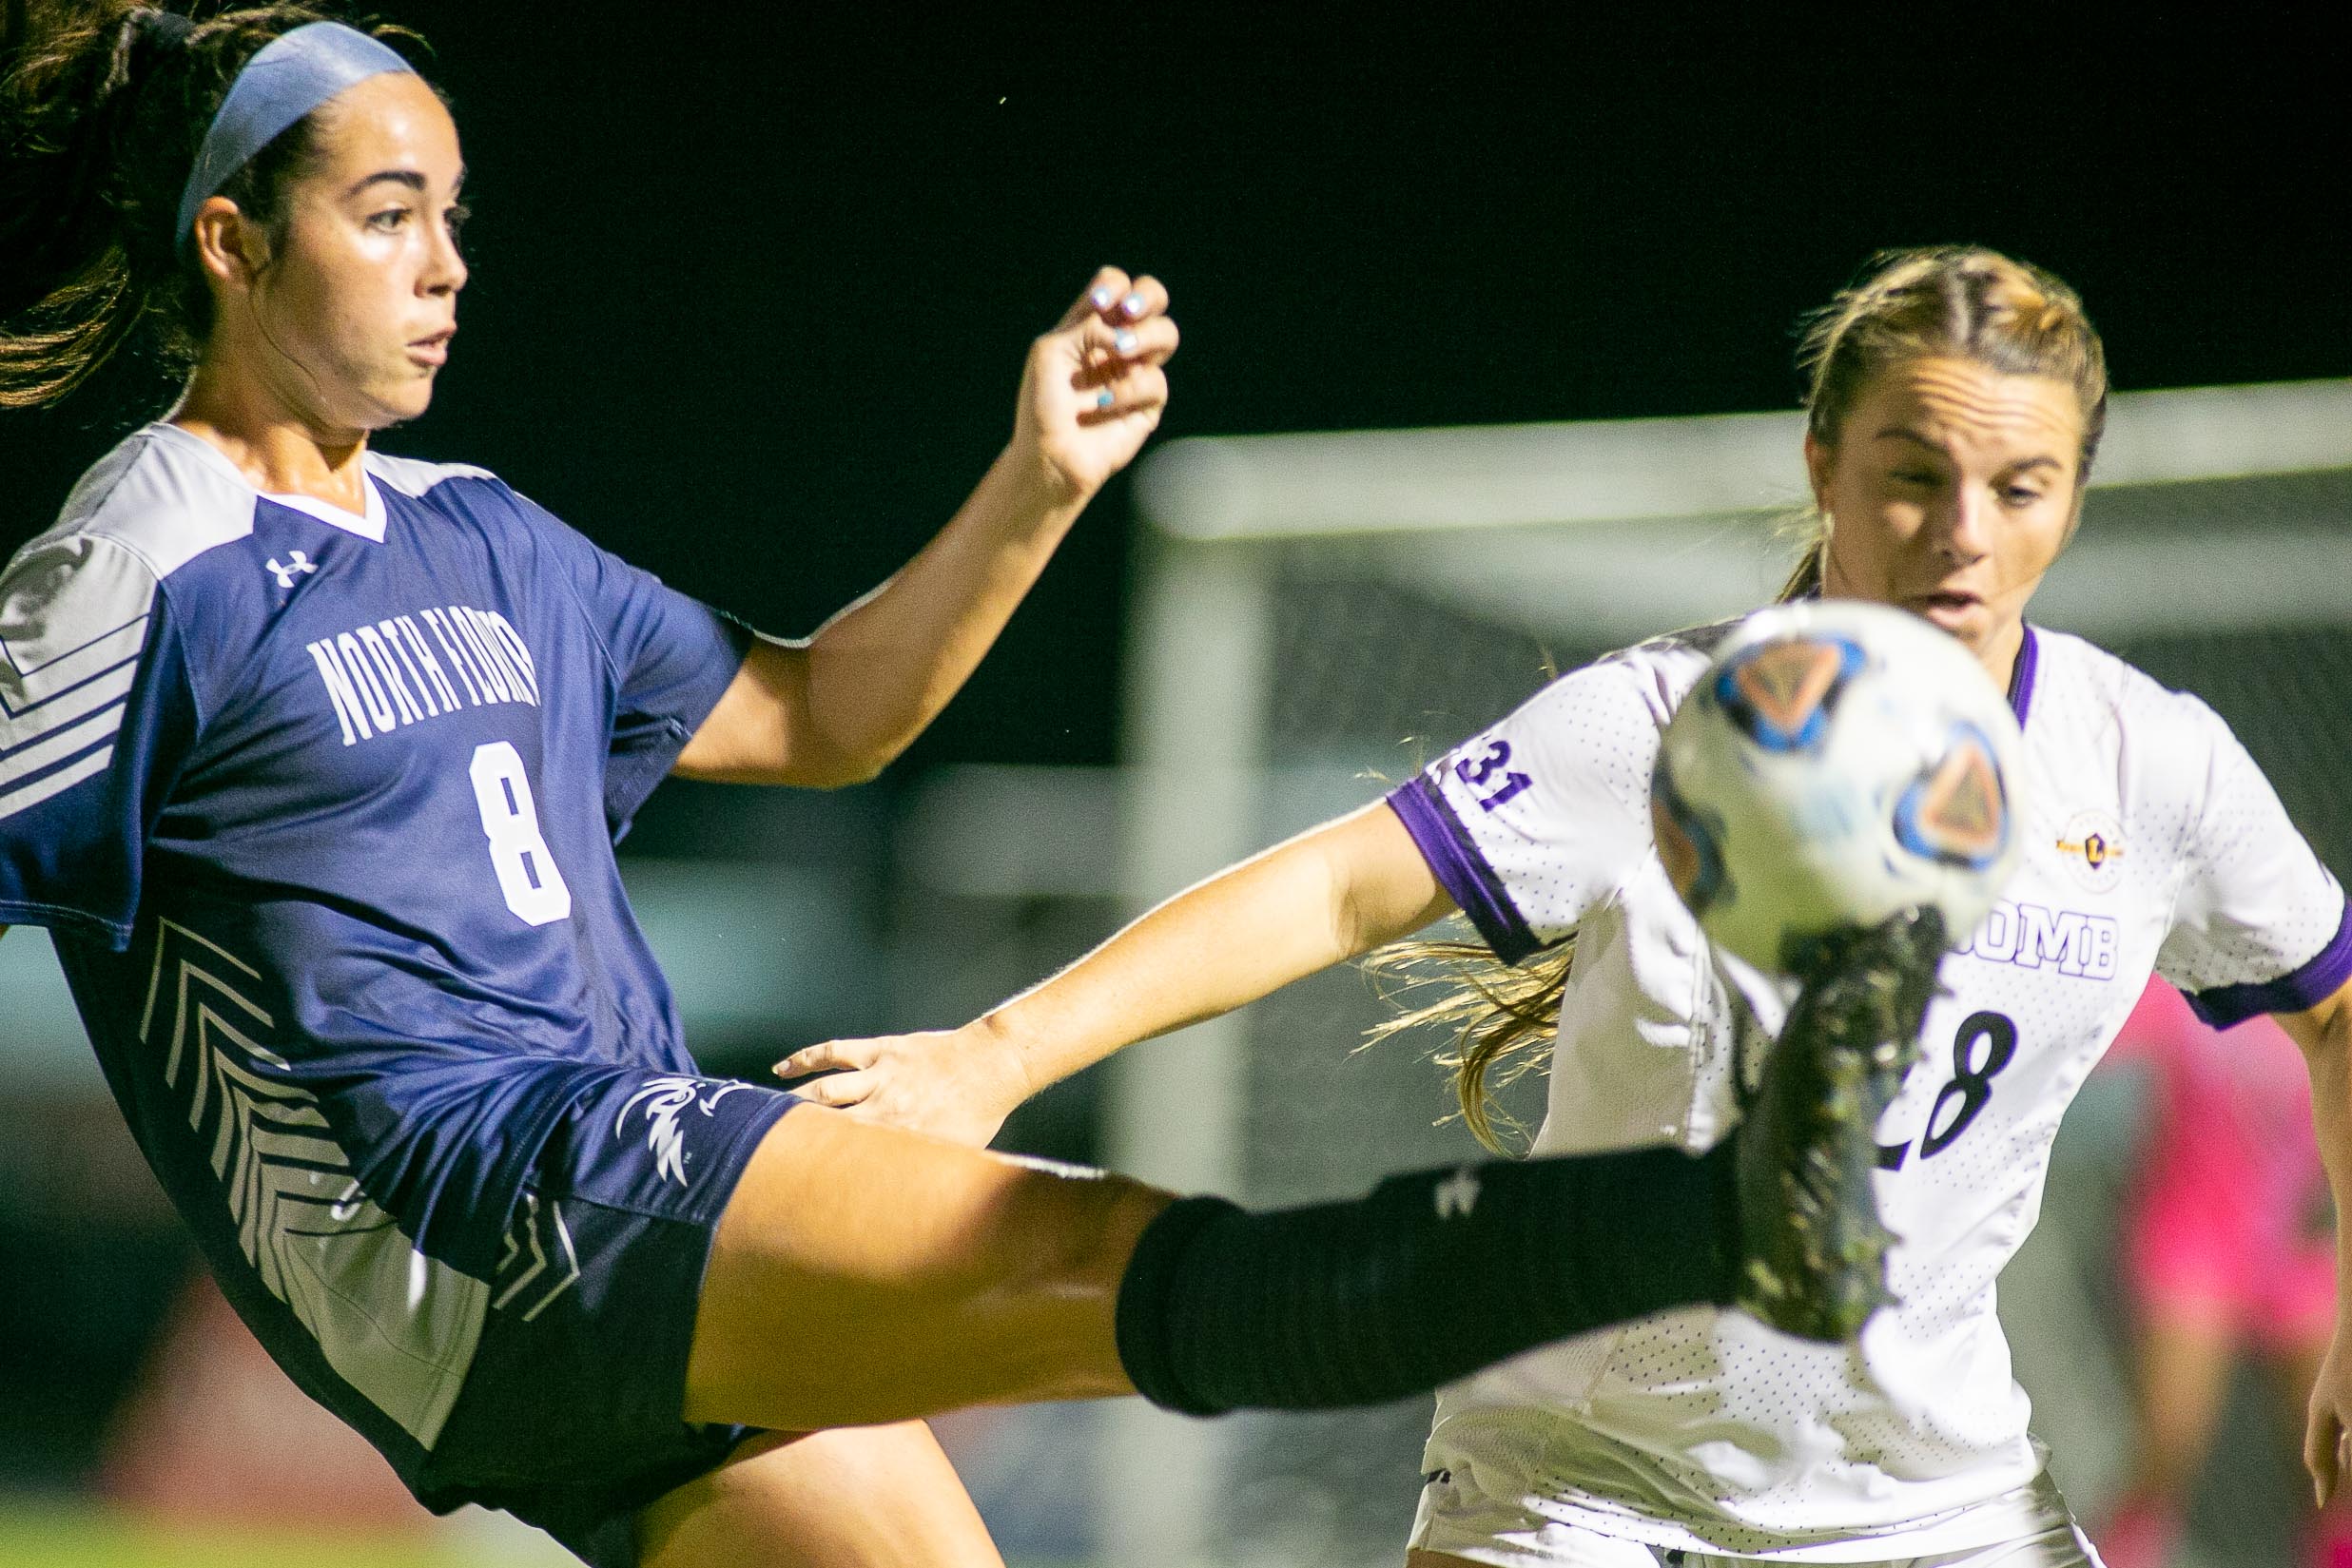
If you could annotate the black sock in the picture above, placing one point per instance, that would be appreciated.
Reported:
(1431, 1277)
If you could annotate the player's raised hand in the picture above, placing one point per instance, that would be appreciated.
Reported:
(952, 1083)
(1096, 384)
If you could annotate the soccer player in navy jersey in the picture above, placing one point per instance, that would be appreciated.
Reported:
(312, 760)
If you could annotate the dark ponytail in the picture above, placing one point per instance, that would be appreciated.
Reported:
(102, 109)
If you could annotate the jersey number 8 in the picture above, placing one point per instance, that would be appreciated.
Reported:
(527, 875)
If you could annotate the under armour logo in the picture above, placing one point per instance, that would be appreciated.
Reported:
(1457, 1194)
(287, 574)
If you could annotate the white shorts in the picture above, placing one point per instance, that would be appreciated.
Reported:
(1460, 1523)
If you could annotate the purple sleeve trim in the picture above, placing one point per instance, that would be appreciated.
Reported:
(2295, 991)
(2021, 678)
(1461, 871)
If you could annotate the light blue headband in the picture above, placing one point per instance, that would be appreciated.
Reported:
(291, 75)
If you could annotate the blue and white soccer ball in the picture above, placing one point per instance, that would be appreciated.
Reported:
(1838, 762)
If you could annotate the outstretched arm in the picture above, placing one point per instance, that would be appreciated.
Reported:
(835, 708)
(1327, 895)
(2325, 1035)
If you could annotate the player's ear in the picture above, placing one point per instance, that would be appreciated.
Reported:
(231, 251)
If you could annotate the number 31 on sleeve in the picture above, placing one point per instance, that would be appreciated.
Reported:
(1479, 774)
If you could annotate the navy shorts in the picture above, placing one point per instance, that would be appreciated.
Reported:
(570, 1415)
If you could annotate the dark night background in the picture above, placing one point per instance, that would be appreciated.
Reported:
(751, 295)
(752, 286)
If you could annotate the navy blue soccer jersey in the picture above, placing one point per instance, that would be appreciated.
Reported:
(321, 809)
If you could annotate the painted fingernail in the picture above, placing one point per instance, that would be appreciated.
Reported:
(1101, 298)
(1123, 340)
(1103, 398)
(1135, 304)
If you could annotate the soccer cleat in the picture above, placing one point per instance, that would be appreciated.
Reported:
(1813, 1248)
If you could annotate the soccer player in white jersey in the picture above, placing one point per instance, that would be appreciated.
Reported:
(1956, 405)
(312, 760)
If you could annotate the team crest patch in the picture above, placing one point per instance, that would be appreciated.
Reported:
(1956, 813)
(1781, 693)
(2093, 844)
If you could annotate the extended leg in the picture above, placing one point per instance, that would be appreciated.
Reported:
(860, 1497)
(863, 1274)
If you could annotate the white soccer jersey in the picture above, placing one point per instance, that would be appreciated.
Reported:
(2154, 841)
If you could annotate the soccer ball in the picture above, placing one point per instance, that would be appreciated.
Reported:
(1838, 762)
